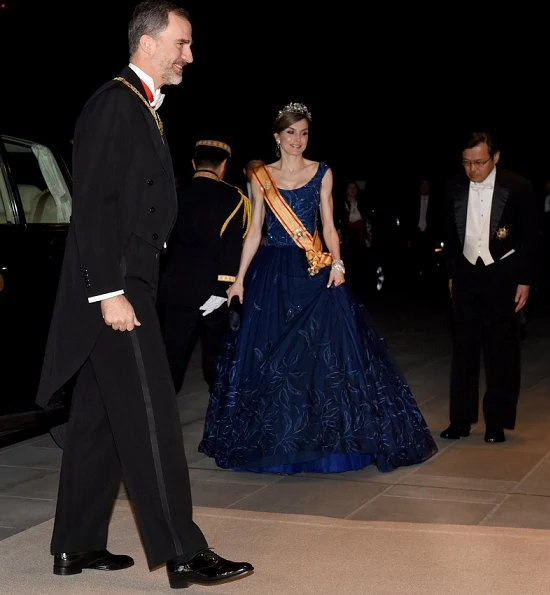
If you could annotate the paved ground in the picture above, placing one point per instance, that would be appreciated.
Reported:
(468, 482)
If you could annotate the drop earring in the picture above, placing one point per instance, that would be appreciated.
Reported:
(278, 148)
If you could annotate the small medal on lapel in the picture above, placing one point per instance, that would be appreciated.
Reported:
(502, 233)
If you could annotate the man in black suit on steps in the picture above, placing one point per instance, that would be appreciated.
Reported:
(491, 255)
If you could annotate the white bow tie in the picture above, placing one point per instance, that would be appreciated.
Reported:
(482, 186)
(158, 98)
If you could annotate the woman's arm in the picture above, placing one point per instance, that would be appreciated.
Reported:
(330, 235)
(251, 242)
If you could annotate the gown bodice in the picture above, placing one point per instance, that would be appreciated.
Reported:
(304, 201)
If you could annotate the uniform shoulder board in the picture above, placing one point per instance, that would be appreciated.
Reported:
(244, 202)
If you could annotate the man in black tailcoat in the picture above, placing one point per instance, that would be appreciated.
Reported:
(491, 255)
(124, 421)
(422, 227)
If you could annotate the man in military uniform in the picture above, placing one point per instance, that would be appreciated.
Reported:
(201, 262)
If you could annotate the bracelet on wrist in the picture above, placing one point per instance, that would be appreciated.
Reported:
(338, 265)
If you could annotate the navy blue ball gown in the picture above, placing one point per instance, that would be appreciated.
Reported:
(306, 384)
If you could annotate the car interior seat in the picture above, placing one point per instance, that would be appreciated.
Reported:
(39, 205)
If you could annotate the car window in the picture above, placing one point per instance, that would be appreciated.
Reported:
(43, 191)
(7, 216)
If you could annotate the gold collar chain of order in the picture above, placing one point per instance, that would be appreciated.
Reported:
(153, 112)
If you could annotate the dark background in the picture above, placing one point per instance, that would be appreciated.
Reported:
(391, 88)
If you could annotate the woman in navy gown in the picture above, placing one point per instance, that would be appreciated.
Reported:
(305, 383)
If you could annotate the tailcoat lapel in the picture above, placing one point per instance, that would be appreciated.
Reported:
(159, 140)
(461, 208)
(500, 197)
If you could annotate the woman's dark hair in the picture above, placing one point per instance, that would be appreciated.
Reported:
(289, 115)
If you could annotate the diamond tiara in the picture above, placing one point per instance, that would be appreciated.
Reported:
(295, 108)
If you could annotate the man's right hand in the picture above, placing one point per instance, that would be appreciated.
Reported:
(119, 314)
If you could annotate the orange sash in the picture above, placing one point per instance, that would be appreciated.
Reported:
(316, 258)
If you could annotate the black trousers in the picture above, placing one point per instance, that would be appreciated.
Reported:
(182, 325)
(124, 424)
(485, 323)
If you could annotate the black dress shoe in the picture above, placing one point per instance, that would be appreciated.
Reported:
(494, 435)
(74, 563)
(205, 568)
(454, 432)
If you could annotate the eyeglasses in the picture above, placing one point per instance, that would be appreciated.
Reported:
(476, 163)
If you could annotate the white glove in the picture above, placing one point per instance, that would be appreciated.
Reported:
(212, 303)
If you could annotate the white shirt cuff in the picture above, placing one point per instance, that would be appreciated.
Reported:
(104, 296)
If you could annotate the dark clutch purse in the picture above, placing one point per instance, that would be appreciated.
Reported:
(235, 312)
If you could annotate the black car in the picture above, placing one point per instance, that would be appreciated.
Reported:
(35, 209)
